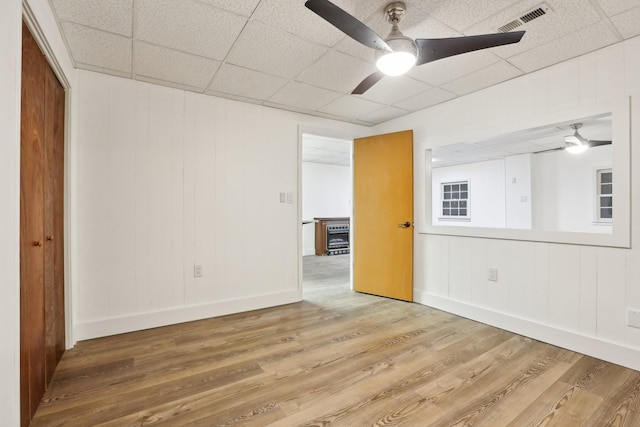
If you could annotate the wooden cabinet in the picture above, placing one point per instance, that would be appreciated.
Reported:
(41, 226)
(321, 233)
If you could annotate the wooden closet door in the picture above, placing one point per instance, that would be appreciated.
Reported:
(42, 338)
(53, 222)
(32, 330)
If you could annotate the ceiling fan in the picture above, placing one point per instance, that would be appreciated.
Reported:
(396, 54)
(577, 143)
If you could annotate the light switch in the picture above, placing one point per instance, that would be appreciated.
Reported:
(197, 270)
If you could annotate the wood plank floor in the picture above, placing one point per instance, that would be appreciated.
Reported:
(338, 358)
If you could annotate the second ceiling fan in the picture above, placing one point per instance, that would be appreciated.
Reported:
(577, 143)
(396, 54)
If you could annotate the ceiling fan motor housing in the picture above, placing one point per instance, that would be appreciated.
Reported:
(398, 43)
(394, 12)
(403, 48)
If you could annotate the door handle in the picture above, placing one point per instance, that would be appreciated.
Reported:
(37, 243)
(406, 224)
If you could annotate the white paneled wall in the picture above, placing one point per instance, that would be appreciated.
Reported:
(570, 295)
(168, 179)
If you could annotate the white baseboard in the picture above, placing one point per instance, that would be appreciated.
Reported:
(307, 251)
(137, 322)
(591, 346)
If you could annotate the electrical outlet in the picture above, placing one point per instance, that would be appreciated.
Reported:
(633, 318)
(493, 274)
(197, 270)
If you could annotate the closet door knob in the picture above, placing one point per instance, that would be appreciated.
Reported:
(49, 238)
(37, 243)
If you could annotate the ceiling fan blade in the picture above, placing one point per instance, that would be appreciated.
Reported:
(347, 24)
(433, 49)
(595, 143)
(549, 149)
(591, 143)
(366, 84)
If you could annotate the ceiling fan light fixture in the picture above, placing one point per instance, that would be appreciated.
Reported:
(575, 143)
(575, 148)
(400, 60)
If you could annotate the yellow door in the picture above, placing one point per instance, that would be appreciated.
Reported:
(383, 215)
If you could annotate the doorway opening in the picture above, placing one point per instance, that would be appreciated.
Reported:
(326, 194)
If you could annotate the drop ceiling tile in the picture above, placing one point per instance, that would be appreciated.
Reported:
(187, 25)
(98, 48)
(614, 7)
(426, 99)
(270, 50)
(334, 148)
(384, 114)
(339, 147)
(391, 90)
(173, 66)
(303, 96)
(563, 18)
(245, 82)
(351, 47)
(337, 71)
(116, 73)
(351, 106)
(319, 153)
(627, 23)
(164, 83)
(343, 162)
(493, 74)
(570, 46)
(362, 9)
(241, 7)
(462, 14)
(448, 69)
(294, 18)
(309, 158)
(313, 142)
(114, 16)
(234, 97)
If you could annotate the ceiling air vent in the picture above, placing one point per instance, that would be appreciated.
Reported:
(510, 26)
(535, 13)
